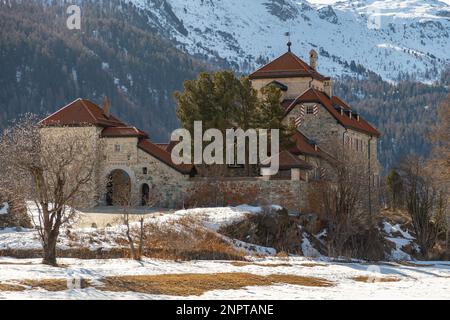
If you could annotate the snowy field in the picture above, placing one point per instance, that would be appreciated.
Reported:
(405, 280)
(431, 281)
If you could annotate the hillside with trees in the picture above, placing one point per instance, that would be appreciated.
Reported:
(44, 65)
(404, 112)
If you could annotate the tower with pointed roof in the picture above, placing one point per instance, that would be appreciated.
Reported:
(321, 118)
(294, 73)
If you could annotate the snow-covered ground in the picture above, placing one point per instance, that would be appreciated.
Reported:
(427, 282)
(107, 238)
(211, 219)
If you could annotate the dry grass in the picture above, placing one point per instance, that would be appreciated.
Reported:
(197, 284)
(273, 265)
(53, 285)
(174, 285)
(313, 265)
(367, 279)
(11, 287)
(76, 253)
(186, 239)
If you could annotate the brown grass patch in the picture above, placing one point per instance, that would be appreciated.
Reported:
(312, 265)
(76, 253)
(11, 287)
(53, 285)
(274, 265)
(186, 239)
(197, 284)
(174, 285)
(367, 279)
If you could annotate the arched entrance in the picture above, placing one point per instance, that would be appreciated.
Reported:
(145, 195)
(118, 190)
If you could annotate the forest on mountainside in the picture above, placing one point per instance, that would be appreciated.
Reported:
(44, 65)
(404, 112)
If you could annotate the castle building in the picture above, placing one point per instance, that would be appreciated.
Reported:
(322, 120)
(131, 161)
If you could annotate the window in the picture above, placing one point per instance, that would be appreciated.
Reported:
(310, 110)
(145, 170)
(117, 148)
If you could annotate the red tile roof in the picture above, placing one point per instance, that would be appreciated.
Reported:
(85, 112)
(162, 146)
(123, 132)
(288, 161)
(313, 95)
(303, 145)
(164, 156)
(81, 112)
(286, 66)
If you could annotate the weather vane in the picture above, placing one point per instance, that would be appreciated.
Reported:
(289, 44)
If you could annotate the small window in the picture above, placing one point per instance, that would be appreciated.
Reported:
(129, 157)
(145, 170)
(117, 148)
(310, 110)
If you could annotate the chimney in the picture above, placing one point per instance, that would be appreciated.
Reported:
(313, 59)
(106, 107)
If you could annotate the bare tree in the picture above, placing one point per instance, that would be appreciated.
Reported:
(123, 199)
(439, 165)
(342, 201)
(420, 200)
(53, 167)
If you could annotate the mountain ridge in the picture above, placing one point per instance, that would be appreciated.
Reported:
(412, 39)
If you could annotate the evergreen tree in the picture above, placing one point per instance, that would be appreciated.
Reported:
(271, 115)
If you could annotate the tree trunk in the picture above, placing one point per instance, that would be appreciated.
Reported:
(141, 239)
(130, 239)
(50, 251)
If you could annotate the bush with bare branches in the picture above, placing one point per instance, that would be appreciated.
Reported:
(422, 203)
(347, 204)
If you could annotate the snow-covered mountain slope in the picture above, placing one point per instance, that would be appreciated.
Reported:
(390, 37)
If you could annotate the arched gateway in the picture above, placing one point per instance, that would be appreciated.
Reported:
(118, 190)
